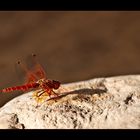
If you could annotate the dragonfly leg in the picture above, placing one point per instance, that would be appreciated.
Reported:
(41, 95)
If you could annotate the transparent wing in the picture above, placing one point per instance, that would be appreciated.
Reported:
(38, 71)
(35, 73)
(30, 77)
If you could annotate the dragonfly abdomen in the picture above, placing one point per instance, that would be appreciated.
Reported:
(22, 87)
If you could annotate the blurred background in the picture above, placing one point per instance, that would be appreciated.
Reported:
(72, 46)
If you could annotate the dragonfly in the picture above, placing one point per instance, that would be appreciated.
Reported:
(36, 79)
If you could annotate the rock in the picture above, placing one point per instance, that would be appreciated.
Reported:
(97, 103)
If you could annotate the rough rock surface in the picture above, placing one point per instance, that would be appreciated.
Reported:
(97, 103)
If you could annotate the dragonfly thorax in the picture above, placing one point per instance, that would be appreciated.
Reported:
(49, 83)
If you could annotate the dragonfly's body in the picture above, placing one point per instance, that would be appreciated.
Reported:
(42, 83)
(36, 79)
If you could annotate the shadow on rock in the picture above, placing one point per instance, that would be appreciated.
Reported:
(84, 91)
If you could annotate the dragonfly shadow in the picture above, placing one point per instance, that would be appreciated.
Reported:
(84, 91)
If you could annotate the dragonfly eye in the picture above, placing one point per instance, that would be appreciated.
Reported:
(56, 84)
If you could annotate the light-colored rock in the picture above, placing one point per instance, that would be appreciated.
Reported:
(98, 103)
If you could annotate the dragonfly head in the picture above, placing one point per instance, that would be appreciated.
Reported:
(56, 84)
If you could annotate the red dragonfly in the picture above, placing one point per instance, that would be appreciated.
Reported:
(36, 79)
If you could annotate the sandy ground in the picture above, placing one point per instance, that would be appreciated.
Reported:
(71, 46)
